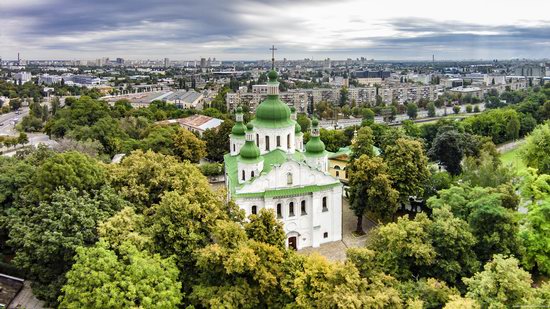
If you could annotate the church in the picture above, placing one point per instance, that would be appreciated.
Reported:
(269, 167)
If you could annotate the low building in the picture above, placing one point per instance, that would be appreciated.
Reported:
(475, 92)
(196, 123)
(338, 162)
(185, 99)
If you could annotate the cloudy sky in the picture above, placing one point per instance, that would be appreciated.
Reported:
(245, 29)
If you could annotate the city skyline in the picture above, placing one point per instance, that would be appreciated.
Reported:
(244, 29)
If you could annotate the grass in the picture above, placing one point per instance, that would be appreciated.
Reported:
(512, 157)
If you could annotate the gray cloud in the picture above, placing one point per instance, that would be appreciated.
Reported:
(236, 29)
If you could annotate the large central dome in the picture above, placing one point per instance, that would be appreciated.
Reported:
(273, 112)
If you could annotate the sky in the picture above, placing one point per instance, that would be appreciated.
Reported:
(245, 29)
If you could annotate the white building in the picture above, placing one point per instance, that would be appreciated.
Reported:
(22, 77)
(269, 167)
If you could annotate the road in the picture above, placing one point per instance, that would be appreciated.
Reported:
(7, 121)
(439, 112)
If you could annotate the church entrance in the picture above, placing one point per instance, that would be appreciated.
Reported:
(292, 242)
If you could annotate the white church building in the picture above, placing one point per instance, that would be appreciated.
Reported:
(269, 167)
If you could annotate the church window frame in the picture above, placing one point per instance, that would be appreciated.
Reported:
(325, 204)
(291, 209)
(279, 211)
(288, 141)
(252, 174)
(243, 175)
(303, 208)
(278, 141)
(254, 209)
(267, 142)
(289, 178)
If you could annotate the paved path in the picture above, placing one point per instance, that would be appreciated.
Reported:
(510, 145)
(336, 251)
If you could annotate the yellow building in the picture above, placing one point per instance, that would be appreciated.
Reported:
(338, 162)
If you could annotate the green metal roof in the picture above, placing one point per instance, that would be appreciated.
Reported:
(273, 113)
(315, 145)
(238, 129)
(271, 159)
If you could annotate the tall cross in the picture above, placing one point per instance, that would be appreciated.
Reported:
(273, 49)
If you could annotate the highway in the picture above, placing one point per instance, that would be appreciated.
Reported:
(7, 121)
(440, 112)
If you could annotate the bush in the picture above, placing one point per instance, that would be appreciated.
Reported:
(211, 169)
(456, 109)
(469, 108)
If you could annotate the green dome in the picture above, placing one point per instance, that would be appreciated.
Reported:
(239, 109)
(272, 75)
(238, 129)
(249, 151)
(315, 145)
(315, 122)
(273, 111)
(297, 128)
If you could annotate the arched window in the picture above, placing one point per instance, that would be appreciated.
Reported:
(336, 167)
(279, 211)
(288, 141)
(337, 173)
(254, 210)
(291, 209)
(325, 206)
(243, 175)
(266, 142)
(258, 140)
(303, 208)
(289, 178)
(252, 174)
(278, 141)
(233, 147)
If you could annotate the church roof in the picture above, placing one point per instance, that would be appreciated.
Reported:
(272, 112)
(271, 159)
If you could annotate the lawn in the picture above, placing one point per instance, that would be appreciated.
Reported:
(512, 157)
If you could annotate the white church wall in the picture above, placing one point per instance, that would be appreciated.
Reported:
(273, 133)
(236, 144)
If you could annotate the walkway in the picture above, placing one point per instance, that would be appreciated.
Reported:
(336, 251)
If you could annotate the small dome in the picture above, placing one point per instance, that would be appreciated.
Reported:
(250, 126)
(297, 128)
(315, 145)
(272, 75)
(292, 109)
(239, 109)
(315, 122)
(238, 129)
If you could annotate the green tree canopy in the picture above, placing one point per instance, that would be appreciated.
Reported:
(536, 149)
(189, 147)
(123, 278)
(371, 189)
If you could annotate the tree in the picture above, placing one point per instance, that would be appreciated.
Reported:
(363, 143)
(431, 109)
(70, 170)
(304, 122)
(408, 167)
(323, 284)
(431, 292)
(264, 227)
(502, 284)
(45, 237)
(412, 110)
(536, 237)
(469, 108)
(486, 171)
(456, 109)
(217, 140)
(367, 114)
(536, 148)
(182, 222)
(371, 190)
(403, 247)
(496, 229)
(143, 177)
(123, 278)
(447, 150)
(344, 94)
(237, 272)
(188, 146)
(512, 128)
